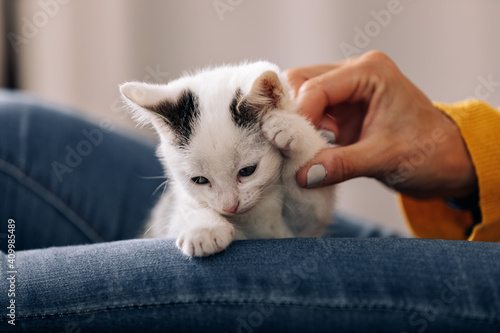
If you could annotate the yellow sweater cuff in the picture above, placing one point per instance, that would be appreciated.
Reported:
(479, 124)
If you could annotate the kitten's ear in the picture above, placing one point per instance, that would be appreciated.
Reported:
(163, 105)
(267, 92)
(142, 98)
(143, 94)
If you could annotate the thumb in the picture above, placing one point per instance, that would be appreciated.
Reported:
(338, 164)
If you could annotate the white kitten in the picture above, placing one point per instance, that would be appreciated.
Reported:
(231, 143)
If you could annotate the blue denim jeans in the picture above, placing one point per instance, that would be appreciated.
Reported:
(74, 195)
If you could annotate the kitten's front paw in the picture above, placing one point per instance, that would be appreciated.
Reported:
(279, 129)
(205, 241)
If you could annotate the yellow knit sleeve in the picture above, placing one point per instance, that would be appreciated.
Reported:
(479, 124)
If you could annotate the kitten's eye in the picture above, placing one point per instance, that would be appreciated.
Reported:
(247, 171)
(200, 180)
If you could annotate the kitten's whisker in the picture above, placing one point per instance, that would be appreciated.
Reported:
(189, 183)
(153, 177)
(165, 225)
(165, 189)
(145, 232)
(290, 208)
(281, 201)
(162, 184)
(164, 219)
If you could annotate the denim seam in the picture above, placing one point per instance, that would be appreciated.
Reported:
(51, 198)
(369, 307)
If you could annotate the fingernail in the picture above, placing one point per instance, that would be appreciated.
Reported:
(316, 175)
(329, 135)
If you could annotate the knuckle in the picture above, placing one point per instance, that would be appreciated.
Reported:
(342, 168)
(294, 76)
(376, 61)
(378, 66)
(312, 84)
(377, 56)
(292, 73)
(347, 169)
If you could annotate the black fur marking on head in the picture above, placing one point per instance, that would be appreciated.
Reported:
(244, 114)
(180, 115)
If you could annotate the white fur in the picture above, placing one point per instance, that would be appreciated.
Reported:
(269, 203)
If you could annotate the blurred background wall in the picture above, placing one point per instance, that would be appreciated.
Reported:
(76, 52)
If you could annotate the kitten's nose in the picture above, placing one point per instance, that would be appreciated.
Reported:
(231, 210)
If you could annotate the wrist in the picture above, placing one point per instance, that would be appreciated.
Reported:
(459, 170)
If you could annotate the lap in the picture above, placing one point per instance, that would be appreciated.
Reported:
(295, 285)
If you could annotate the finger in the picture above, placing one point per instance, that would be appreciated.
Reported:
(346, 83)
(327, 123)
(297, 76)
(338, 164)
(315, 70)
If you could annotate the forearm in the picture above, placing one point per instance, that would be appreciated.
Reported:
(479, 125)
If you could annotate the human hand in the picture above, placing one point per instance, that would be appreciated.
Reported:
(386, 128)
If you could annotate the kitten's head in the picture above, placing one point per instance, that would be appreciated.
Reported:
(209, 127)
